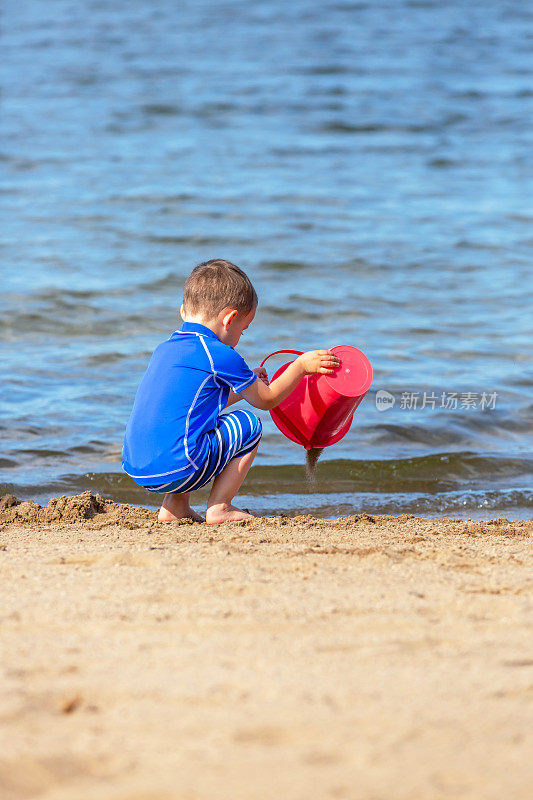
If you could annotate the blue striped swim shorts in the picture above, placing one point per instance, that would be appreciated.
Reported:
(236, 434)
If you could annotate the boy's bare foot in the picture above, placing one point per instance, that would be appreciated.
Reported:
(225, 512)
(177, 507)
(167, 516)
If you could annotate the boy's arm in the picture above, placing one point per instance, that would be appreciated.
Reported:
(267, 397)
(234, 397)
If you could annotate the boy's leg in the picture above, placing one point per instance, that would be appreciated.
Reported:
(177, 506)
(225, 487)
(232, 447)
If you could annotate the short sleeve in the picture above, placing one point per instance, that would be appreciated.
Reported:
(231, 368)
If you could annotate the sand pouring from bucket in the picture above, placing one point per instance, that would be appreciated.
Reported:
(319, 411)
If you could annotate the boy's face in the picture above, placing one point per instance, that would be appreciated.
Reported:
(234, 325)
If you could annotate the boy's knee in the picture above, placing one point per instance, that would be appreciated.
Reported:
(257, 425)
(253, 422)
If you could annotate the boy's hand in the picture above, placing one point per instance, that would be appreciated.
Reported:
(323, 361)
(261, 374)
(272, 394)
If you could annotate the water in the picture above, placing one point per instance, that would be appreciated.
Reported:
(368, 163)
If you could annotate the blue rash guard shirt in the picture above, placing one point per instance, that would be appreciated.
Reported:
(180, 397)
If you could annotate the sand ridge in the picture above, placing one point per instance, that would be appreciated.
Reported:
(368, 657)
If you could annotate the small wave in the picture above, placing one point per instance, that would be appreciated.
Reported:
(469, 245)
(140, 197)
(340, 126)
(327, 69)
(164, 109)
(284, 266)
(442, 163)
(197, 240)
(516, 504)
(42, 452)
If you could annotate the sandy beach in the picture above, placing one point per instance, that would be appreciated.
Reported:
(370, 657)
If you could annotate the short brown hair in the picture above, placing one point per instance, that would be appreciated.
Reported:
(217, 284)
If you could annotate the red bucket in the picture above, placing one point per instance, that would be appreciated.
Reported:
(320, 410)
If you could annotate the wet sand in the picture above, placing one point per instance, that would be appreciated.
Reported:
(372, 657)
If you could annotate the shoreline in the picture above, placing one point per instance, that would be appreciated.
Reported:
(86, 504)
(370, 656)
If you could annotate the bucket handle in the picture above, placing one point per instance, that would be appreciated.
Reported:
(275, 353)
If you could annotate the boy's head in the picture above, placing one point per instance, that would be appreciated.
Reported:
(219, 293)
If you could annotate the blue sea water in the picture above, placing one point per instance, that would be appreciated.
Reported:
(369, 164)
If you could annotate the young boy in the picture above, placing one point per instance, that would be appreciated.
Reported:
(177, 438)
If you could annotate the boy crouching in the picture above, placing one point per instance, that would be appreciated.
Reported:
(177, 438)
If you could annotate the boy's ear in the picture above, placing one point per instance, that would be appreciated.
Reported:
(229, 315)
(182, 312)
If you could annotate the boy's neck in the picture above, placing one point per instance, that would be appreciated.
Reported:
(213, 324)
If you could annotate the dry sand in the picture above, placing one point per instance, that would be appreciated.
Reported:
(374, 657)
